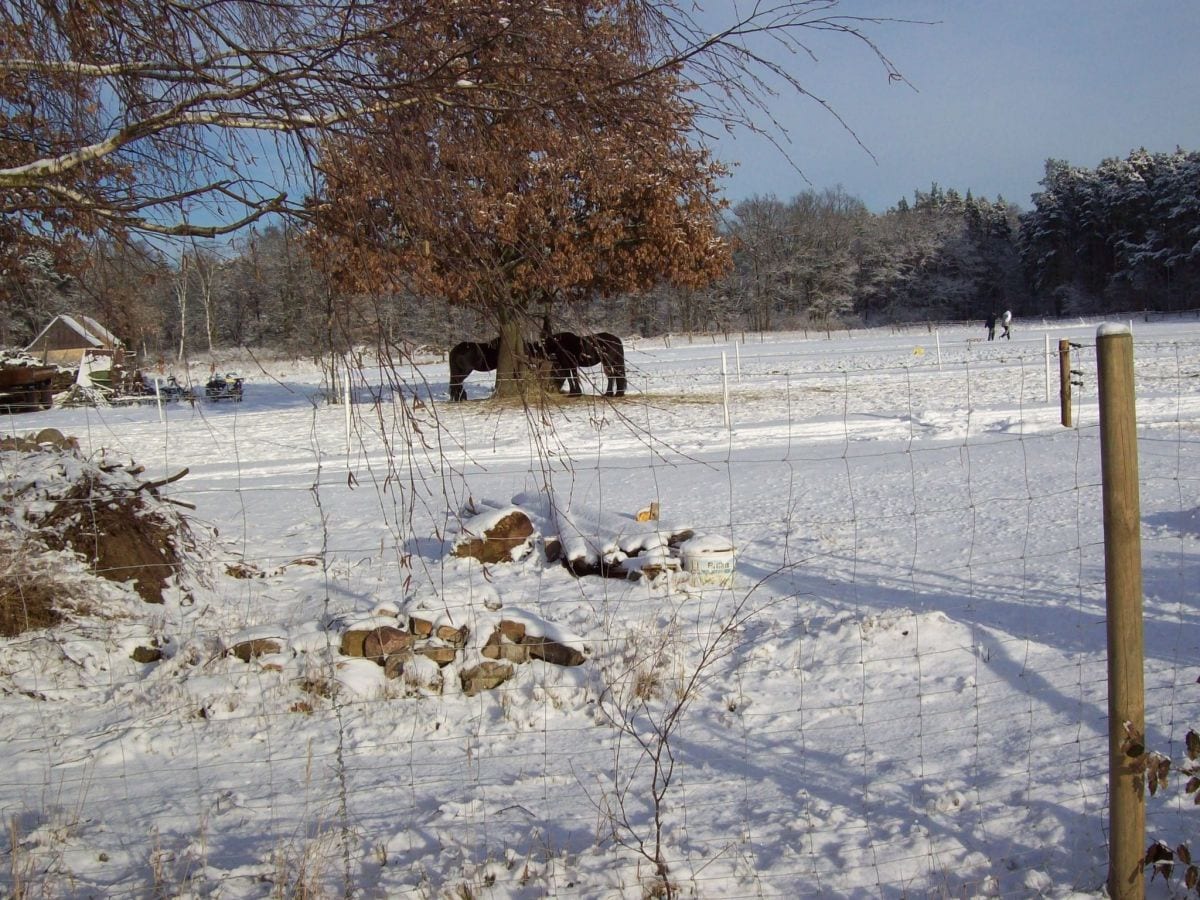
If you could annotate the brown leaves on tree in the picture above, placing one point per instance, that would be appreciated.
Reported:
(1159, 857)
(476, 149)
(1158, 768)
(1161, 860)
(555, 166)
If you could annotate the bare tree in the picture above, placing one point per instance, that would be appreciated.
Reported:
(169, 117)
(207, 266)
(181, 289)
(166, 117)
(648, 691)
(122, 282)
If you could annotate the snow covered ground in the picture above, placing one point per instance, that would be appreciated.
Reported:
(903, 694)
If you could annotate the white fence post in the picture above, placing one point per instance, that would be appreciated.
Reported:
(725, 388)
(346, 397)
(1047, 368)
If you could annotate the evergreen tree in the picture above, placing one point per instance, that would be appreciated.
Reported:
(1120, 235)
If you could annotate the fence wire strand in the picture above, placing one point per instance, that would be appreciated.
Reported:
(902, 693)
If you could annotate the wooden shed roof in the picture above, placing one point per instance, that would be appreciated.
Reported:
(91, 333)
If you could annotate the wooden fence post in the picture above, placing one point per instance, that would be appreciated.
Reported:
(1064, 381)
(1123, 592)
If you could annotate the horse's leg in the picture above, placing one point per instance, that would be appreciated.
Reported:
(573, 378)
(618, 373)
(458, 390)
(611, 354)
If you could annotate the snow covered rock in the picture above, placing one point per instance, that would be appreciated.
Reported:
(514, 631)
(438, 653)
(498, 647)
(523, 636)
(254, 648)
(553, 652)
(442, 630)
(495, 536)
(382, 642)
(487, 675)
(417, 671)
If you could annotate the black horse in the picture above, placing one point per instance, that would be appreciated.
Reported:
(570, 352)
(474, 356)
(468, 357)
(565, 352)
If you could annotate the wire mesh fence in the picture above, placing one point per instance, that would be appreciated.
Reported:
(902, 692)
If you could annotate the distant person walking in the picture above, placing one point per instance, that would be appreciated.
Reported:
(1007, 323)
(990, 325)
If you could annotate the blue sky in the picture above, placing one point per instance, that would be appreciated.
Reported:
(997, 87)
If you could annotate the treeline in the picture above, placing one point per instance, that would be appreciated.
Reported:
(1122, 236)
(823, 257)
(1125, 235)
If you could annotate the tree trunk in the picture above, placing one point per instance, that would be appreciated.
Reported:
(518, 376)
(207, 273)
(510, 366)
(181, 299)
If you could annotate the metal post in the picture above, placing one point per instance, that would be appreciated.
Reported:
(1123, 590)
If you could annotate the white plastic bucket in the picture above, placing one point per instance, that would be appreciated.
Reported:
(708, 559)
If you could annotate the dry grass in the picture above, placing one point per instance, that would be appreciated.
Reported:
(647, 682)
(27, 591)
(20, 863)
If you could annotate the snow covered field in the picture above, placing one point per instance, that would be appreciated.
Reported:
(903, 694)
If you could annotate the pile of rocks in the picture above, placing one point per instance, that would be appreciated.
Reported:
(400, 650)
(425, 647)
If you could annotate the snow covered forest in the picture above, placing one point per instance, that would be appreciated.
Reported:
(1125, 235)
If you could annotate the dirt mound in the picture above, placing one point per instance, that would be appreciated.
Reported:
(99, 512)
(122, 534)
(27, 602)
